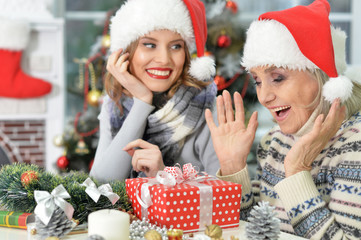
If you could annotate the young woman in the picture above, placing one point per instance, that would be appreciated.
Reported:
(309, 163)
(153, 115)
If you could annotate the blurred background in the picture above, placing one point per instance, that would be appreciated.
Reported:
(68, 47)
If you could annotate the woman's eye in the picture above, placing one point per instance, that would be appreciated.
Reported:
(177, 46)
(149, 45)
(279, 78)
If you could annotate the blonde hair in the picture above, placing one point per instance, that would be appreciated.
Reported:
(115, 90)
(353, 103)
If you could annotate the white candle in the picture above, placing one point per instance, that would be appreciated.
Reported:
(109, 223)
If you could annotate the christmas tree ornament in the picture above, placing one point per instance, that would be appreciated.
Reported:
(95, 192)
(138, 228)
(106, 41)
(263, 223)
(224, 40)
(15, 83)
(58, 226)
(81, 148)
(53, 213)
(232, 6)
(213, 231)
(28, 177)
(152, 235)
(219, 81)
(62, 162)
(175, 234)
(81, 62)
(52, 238)
(94, 94)
(93, 97)
(58, 140)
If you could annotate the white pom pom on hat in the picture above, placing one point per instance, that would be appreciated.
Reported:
(136, 18)
(300, 38)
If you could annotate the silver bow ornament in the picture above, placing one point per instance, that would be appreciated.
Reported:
(48, 202)
(95, 193)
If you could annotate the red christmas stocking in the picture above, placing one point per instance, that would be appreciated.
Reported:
(14, 83)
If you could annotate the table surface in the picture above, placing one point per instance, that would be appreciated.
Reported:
(20, 234)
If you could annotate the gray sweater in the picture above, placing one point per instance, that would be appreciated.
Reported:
(112, 163)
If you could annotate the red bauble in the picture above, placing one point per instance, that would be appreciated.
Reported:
(232, 6)
(62, 162)
(220, 81)
(28, 177)
(223, 41)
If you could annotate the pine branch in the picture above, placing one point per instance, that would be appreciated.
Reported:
(16, 196)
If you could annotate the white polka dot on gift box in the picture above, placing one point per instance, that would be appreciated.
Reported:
(176, 207)
(226, 202)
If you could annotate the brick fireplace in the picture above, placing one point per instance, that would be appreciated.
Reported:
(22, 141)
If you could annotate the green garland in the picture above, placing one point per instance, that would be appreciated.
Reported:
(19, 197)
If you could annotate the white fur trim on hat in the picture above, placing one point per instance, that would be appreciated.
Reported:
(202, 68)
(14, 34)
(339, 87)
(139, 17)
(270, 43)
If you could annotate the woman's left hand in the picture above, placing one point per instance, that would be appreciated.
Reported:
(146, 157)
(308, 147)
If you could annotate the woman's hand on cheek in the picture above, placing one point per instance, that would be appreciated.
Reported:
(232, 140)
(118, 65)
(308, 147)
(146, 157)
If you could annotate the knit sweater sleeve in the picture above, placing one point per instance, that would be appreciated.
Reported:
(111, 162)
(336, 215)
(249, 188)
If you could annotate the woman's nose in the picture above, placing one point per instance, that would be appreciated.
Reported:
(266, 94)
(162, 55)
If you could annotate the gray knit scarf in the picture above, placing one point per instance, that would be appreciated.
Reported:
(169, 125)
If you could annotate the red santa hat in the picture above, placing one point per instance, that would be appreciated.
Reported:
(136, 18)
(301, 38)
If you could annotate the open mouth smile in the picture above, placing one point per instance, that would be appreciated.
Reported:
(281, 112)
(159, 73)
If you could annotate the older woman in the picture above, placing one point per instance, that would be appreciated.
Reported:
(309, 164)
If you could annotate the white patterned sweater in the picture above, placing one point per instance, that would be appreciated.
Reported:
(324, 203)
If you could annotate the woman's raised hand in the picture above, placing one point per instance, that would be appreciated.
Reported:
(232, 140)
(146, 157)
(308, 147)
(117, 65)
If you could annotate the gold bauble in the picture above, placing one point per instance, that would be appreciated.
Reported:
(213, 231)
(106, 41)
(52, 238)
(33, 231)
(93, 97)
(175, 234)
(58, 140)
(152, 235)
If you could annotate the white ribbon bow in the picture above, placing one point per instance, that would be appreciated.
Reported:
(95, 193)
(47, 203)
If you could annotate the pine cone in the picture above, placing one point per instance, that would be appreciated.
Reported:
(58, 226)
(263, 223)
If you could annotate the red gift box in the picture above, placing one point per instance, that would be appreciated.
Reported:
(189, 205)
